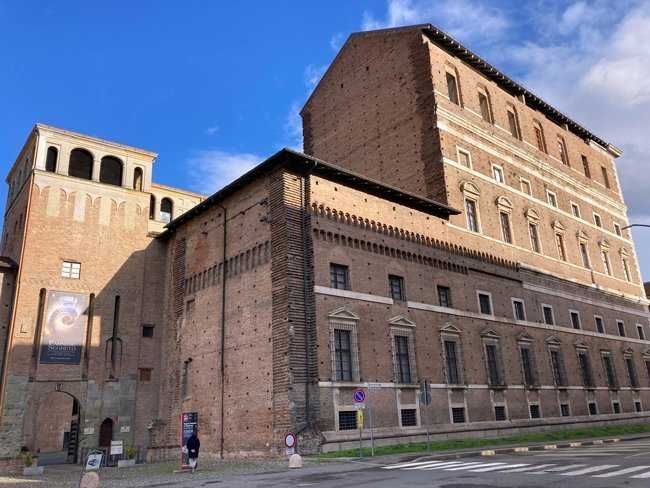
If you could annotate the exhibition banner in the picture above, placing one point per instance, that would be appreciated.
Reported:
(63, 330)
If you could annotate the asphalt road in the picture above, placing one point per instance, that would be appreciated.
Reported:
(602, 466)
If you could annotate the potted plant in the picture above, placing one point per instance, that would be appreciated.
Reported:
(130, 453)
(30, 462)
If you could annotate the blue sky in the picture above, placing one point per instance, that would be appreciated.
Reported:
(215, 87)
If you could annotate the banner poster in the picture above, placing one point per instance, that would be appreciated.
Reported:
(189, 423)
(63, 330)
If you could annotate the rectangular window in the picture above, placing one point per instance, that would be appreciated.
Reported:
(472, 218)
(605, 176)
(558, 368)
(585, 166)
(519, 310)
(559, 242)
(562, 149)
(505, 227)
(621, 327)
(500, 413)
(617, 407)
(444, 296)
(551, 198)
(639, 332)
(342, 355)
(485, 107)
(585, 255)
(402, 359)
(458, 415)
(145, 374)
(452, 362)
(637, 407)
(512, 123)
(608, 368)
(147, 331)
(497, 174)
(597, 220)
(575, 320)
(485, 303)
(606, 266)
(534, 411)
(575, 210)
(534, 238)
(548, 315)
(539, 137)
(452, 88)
(593, 408)
(564, 409)
(348, 420)
(527, 365)
(464, 158)
(631, 372)
(647, 368)
(626, 271)
(585, 370)
(617, 229)
(396, 285)
(525, 187)
(339, 276)
(493, 365)
(71, 270)
(600, 325)
(409, 417)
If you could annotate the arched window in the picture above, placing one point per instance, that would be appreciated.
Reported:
(166, 210)
(152, 207)
(52, 156)
(81, 164)
(137, 179)
(110, 171)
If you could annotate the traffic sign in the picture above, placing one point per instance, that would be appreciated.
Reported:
(359, 395)
(360, 419)
(359, 406)
(290, 440)
(374, 386)
(425, 397)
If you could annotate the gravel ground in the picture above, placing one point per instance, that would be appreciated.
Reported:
(157, 474)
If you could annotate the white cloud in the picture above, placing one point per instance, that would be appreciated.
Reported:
(313, 74)
(211, 170)
(337, 41)
(212, 130)
(293, 127)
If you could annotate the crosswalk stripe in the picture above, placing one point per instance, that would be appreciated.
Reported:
(494, 468)
(591, 469)
(442, 466)
(429, 464)
(558, 469)
(527, 468)
(621, 471)
(405, 465)
(642, 475)
(465, 466)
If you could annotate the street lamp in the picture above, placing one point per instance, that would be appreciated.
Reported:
(635, 225)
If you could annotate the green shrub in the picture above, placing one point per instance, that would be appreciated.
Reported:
(130, 452)
(27, 458)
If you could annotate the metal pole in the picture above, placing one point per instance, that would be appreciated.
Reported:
(372, 440)
(360, 441)
(426, 416)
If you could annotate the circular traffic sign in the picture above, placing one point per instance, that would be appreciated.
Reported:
(425, 397)
(289, 440)
(359, 395)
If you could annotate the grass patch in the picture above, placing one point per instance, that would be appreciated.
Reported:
(570, 434)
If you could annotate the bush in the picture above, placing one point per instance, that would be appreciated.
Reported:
(130, 452)
(27, 458)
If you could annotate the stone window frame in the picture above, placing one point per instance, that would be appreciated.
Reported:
(587, 374)
(490, 304)
(546, 306)
(344, 319)
(556, 361)
(617, 229)
(485, 104)
(533, 220)
(396, 287)
(560, 244)
(491, 338)
(498, 174)
(625, 264)
(505, 206)
(602, 324)
(459, 151)
(630, 368)
(530, 378)
(471, 193)
(575, 210)
(640, 332)
(513, 122)
(451, 333)
(539, 139)
(562, 149)
(598, 221)
(551, 198)
(572, 314)
(605, 176)
(451, 71)
(71, 269)
(403, 327)
(514, 309)
(646, 360)
(585, 166)
(583, 248)
(335, 273)
(447, 292)
(620, 328)
(610, 373)
(522, 182)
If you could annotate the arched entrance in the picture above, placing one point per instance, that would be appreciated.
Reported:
(57, 428)
(106, 433)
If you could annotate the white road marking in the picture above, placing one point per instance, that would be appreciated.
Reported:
(528, 468)
(591, 469)
(494, 468)
(558, 469)
(621, 471)
(442, 466)
(406, 465)
(642, 475)
(465, 466)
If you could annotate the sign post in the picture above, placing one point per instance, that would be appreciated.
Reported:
(425, 398)
(359, 396)
(189, 424)
(290, 443)
(90, 474)
(371, 386)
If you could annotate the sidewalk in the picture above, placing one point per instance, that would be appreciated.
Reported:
(163, 475)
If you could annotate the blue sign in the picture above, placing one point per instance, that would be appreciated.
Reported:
(359, 395)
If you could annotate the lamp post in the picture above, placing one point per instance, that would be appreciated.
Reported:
(635, 225)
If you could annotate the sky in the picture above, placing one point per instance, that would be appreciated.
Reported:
(215, 87)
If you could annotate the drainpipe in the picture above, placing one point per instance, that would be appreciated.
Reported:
(305, 294)
(224, 275)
